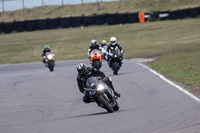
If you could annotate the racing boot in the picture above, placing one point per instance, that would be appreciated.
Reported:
(116, 93)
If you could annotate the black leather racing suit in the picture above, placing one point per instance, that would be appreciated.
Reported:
(81, 81)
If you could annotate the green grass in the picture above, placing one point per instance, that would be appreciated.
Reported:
(93, 8)
(176, 43)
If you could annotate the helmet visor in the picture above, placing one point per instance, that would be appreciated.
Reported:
(81, 71)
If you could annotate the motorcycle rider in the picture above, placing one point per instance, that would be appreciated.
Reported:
(104, 47)
(113, 44)
(84, 73)
(93, 46)
(46, 49)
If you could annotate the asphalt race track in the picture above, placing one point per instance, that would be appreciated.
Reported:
(34, 100)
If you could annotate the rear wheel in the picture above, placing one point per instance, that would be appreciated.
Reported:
(104, 101)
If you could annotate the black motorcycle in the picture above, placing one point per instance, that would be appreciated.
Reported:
(50, 60)
(115, 61)
(101, 94)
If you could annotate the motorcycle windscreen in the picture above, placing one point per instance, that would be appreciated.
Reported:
(92, 82)
(116, 52)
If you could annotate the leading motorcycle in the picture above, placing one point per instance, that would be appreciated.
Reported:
(50, 60)
(101, 94)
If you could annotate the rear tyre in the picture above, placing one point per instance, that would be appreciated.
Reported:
(105, 103)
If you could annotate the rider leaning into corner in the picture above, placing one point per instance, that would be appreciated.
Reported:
(113, 44)
(46, 49)
(84, 73)
(93, 46)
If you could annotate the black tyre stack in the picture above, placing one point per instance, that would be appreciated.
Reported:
(65, 22)
(42, 24)
(133, 17)
(54, 23)
(122, 18)
(88, 20)
(8, 27)
(77, 21)
(111, 19)
(31, 25)
(19, 26)
(100, 19)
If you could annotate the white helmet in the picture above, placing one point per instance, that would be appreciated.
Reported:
(93, 42)
(113, 40)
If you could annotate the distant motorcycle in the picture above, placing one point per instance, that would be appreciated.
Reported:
(50, 60)
(95, 59)
(104, 52)
(101, 94)
(115, 60)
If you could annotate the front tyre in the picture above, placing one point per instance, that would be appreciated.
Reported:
(51, 66)
(96, 64)
(116, 107)
(105, 103)
(115, 67)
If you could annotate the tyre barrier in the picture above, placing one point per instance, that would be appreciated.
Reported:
(164, 15)
(100, 19)
(19, 26)
(174, 14)
(8, 27)
(1, 27)
(111, 19)
(53, 23)
(88, 20)
(31, 25)
(183, 13)
(133, 17)
(42, 24)
(194, 12)
(77, 21)
(122, 18)
(65, 22)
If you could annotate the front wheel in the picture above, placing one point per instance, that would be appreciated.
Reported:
(104, 101)
(115, 67)
(97, 64)
(51, 66)
(116, 107)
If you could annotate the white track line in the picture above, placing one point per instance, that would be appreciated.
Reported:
(171, 83)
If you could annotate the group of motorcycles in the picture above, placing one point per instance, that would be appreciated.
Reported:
(99, 92)
(114, 58)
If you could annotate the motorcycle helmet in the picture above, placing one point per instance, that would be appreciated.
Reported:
(93, 42)
(46, 46)
(81, 68)
(103, 42)
(113, 40)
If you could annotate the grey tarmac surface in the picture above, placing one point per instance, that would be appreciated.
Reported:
(34, 100)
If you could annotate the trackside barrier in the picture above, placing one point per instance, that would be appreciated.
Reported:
(97, 19)
(1, 27)
(111, 19)
(122, 18)
(53, 23)
(8, 27)
(65, 22)
(42, 24)
(133, 17)
(19, 26)
(88, 20)
(100, 19)
(31, 25)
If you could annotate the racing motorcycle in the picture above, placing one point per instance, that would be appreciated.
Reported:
(50, 60)
(101, 94)
(115, 60)
(95, 59)
(104, 52)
